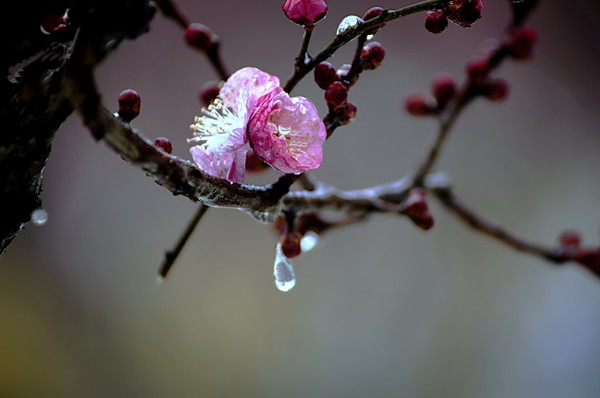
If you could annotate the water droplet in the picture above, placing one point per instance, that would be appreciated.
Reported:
(285, 280)
(39, 216)
(309, 241)
(369, 37)
(348, 23)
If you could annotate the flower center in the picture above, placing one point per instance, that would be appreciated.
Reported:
(214, 123)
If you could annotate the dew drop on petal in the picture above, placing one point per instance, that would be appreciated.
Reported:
(39, 216)
(285, 280)
(348, 23)
(309, 241)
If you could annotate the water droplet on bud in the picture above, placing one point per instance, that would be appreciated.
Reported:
(39, 216)
(285, 280)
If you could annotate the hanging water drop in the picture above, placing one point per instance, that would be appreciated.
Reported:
(285, 280)
(39, 216)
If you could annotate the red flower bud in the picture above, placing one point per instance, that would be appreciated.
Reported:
(290, 245)
(520, 42)
(464, 12)
(443, 89)
(164, 144)
(496, 89)
(209, 92)
(436, 21)
(372, 13)
(325, 74)
(129, 104)
(200, 37)
(336, 95)
(569, 239)
(372, 55)
(416, 105)
(305, 12)
(478, 70)
(347, 113)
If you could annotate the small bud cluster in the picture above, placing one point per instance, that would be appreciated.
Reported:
(129, 105)
(336, 88)
(462, 12)
(570, 246)
(518, 45)
(417, 209)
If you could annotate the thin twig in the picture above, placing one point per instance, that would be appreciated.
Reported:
(339, 41)
(171, 255)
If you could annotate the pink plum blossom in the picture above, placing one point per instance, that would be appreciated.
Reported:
(252, 110)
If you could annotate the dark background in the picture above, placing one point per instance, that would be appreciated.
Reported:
(380, 309)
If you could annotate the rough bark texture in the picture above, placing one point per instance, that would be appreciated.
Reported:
(33, 91)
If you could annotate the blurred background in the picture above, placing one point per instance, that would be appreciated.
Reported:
(381, 308)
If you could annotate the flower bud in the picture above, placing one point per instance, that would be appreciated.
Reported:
(336, 95)
(305, 12)
(443, 89)
(53, 23)
(496, 89)
(436, 21)
(290, 245)
(347, 113)
(416, 105)
(464, 12)
(569, 239)
(129, 104)
(520, 42)
(325, 74)
(372, 55)
(208, 92)
(478, 70)
(164, 144)
(200, 37)
(372, 13)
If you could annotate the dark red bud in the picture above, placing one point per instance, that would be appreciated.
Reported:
(464, 12)
(164, 144)
(435, 21)
(589, 258)
(424, 221)
(290, 245)
(347, 113)
(336, 95)
(200, 37)
(416, 105)
(496, 89)
(569, 239)
(129, 104)
(325, 74)
(53, 23)
(415, 203)
(478, 70)
(443, 89)
(520, 42)
(209, 92)
(372, 13)
(372, 55)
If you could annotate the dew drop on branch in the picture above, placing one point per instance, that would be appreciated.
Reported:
(348, 23)
(285, 280)
(39, 216)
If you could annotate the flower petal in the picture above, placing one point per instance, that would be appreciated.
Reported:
(287, 132)
(244, 87)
